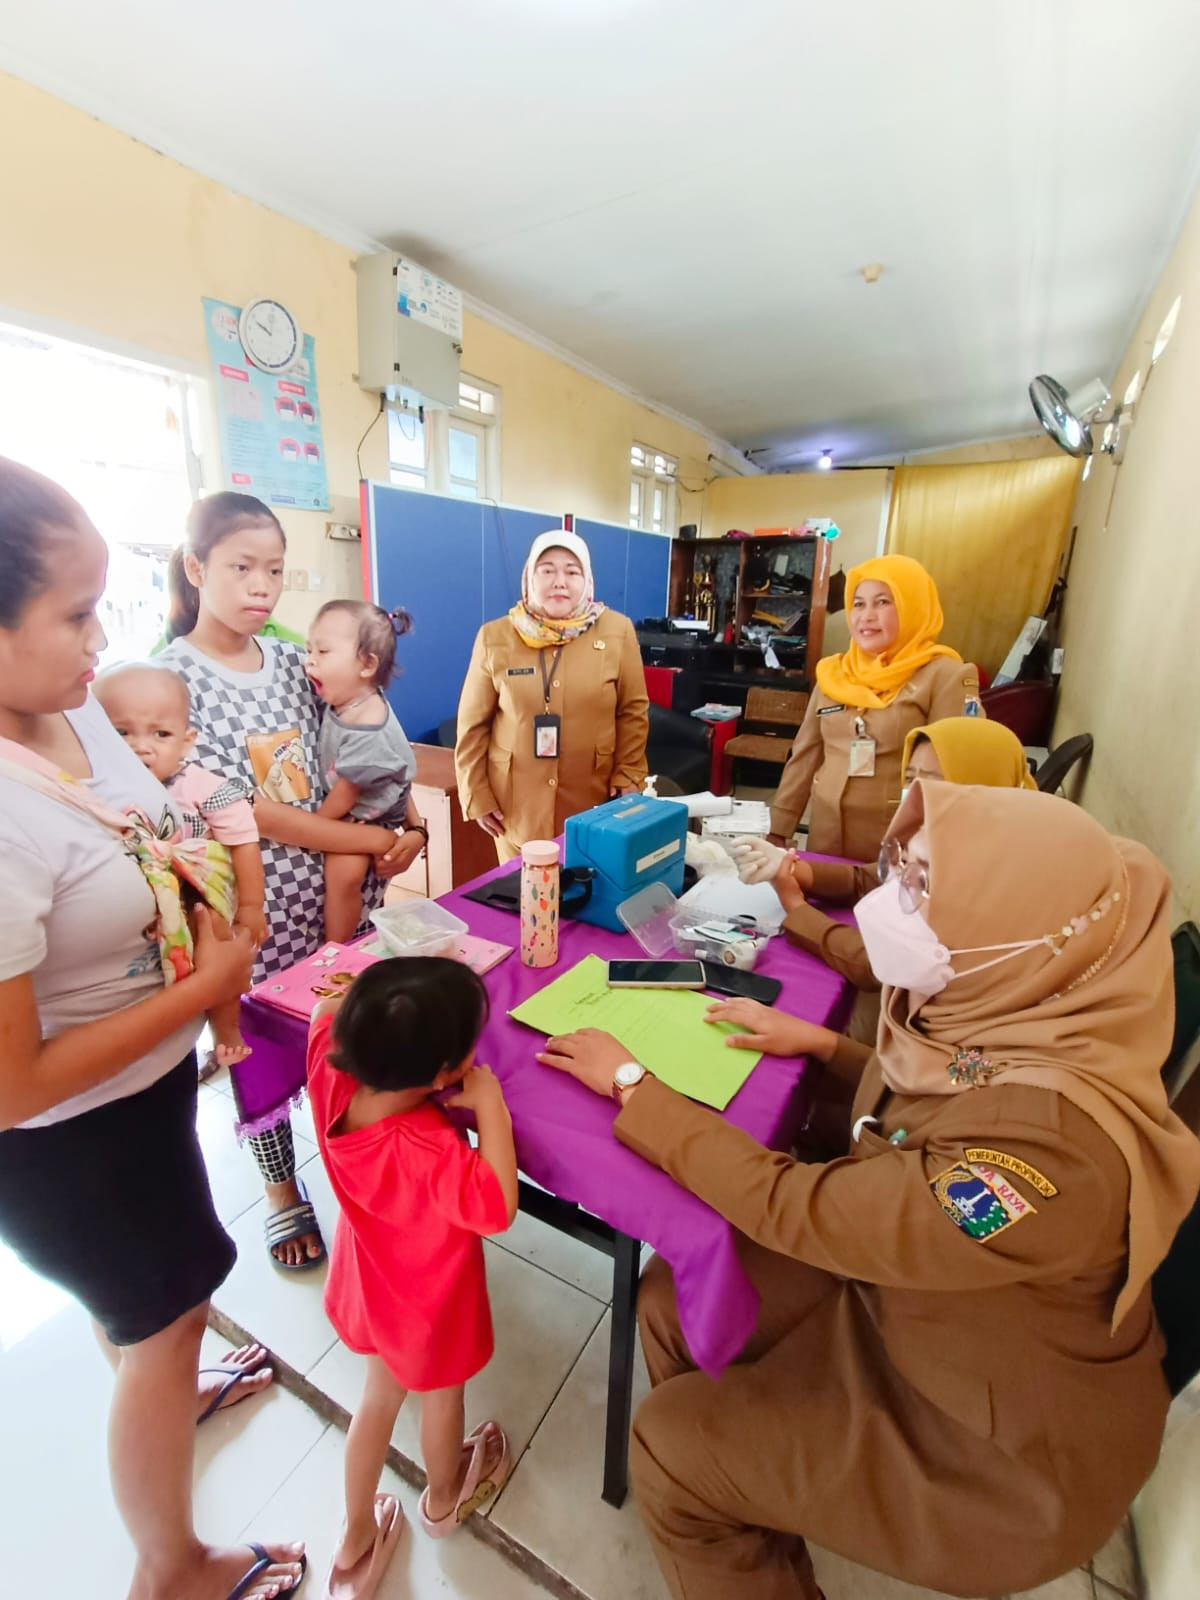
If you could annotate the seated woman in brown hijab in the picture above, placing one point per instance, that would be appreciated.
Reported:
(957, 750)
(955, 1378)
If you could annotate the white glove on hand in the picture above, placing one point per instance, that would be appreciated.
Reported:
(756, 860)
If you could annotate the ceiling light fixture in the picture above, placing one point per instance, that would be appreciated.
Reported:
(826, 461)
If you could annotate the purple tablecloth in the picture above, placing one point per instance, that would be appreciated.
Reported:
(564, 1132)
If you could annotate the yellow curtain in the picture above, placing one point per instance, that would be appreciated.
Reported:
(991, 535)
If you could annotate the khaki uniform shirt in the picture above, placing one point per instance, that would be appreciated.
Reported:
(851, 815)
(598, 690)
(838, 946)
(975, 1243)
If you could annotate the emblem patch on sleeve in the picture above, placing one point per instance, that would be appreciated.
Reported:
(979, 1207)
(1001, 1158)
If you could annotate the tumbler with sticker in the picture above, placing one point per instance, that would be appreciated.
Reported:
(539, 903)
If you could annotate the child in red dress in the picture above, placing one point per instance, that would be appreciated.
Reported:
(406, 1284)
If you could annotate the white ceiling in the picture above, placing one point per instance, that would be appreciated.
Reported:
(682, 192)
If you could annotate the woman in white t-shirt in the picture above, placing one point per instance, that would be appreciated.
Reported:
(102, 1184)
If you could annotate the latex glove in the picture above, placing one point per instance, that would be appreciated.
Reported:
(756, 860)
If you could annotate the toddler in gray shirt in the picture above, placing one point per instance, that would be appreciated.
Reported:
(366, 763)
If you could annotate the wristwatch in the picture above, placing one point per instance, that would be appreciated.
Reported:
(627, 1076)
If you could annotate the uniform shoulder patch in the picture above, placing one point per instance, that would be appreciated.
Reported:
(1022, 1169)
(978, 1207)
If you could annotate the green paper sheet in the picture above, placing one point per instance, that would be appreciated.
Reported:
(664, 1029)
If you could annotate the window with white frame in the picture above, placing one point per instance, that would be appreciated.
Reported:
(651, 489)
(135, 468)
(452, 452)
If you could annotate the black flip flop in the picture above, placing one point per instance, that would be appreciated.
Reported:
(235, 1376)
(261, 1562)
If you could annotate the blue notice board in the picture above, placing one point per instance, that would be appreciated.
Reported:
(455, 564)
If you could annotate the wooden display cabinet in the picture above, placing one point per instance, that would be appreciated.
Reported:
(728, 582)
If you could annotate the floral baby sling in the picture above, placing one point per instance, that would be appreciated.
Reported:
(164, 855)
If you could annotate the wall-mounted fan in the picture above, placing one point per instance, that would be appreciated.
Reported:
(1068, 418)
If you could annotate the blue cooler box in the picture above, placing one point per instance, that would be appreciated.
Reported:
(628, 842)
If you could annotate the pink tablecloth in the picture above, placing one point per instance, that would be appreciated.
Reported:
(564, 1132)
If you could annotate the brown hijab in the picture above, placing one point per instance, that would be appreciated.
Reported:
(1086, 1014)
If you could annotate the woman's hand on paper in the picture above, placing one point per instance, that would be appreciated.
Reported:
(774, 1033)
(589, 1054)
(491, 822)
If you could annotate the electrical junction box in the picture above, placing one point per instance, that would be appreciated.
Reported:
(409, 332)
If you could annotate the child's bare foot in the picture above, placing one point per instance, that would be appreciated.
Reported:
(364, 1552)
(230, 1048)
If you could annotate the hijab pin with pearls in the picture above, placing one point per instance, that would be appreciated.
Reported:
(1081, 924)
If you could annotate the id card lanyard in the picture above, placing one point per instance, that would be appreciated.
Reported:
(862, 752)
(547, 726)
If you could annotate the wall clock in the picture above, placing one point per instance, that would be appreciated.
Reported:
(270, 335)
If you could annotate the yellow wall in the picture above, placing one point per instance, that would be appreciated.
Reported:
(854, 500)
(1133, 602)
(108, 240)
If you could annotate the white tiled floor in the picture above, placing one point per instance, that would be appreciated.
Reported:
(271, 1467)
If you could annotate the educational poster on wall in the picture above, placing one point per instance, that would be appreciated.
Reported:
(272, 445)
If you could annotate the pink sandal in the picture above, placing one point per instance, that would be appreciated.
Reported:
(360, 1581)
(477, 1490)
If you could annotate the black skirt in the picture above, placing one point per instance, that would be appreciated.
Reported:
(115, 1206)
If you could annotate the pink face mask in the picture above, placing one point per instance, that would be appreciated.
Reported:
(903, 949)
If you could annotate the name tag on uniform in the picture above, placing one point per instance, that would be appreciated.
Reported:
(862, 752)
(519, 672)
(545, 736)
(827, 711)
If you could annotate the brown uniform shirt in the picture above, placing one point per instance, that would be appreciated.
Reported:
(974, 1263)
(839, 947)
(851, 815)
(598, 690)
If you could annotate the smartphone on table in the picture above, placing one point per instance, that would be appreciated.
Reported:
(739, 985)
(656, 975)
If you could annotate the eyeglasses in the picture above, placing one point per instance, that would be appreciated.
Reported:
(913, 875)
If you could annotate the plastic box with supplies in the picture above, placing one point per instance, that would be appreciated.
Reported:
(664, 927)
(629, 843)
(419, 928)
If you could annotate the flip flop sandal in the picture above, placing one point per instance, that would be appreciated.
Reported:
(261, 1562)
(360, 1581)
(209, 1067)
(234, 1377)
(477, 1490)
(294, 1222)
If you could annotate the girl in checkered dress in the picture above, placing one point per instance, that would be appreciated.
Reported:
(256, 715)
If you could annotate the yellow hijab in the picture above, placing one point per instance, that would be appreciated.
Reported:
(972, 750)
(860, 679)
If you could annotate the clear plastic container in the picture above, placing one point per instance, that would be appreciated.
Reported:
(653, 916)
(419, 928)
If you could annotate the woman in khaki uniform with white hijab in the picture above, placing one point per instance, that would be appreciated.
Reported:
(553, 714)
(955, 1378)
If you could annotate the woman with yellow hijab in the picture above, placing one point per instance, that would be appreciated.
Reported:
(894, 677)
(958, 750)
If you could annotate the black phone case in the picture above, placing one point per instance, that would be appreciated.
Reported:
(738, 985)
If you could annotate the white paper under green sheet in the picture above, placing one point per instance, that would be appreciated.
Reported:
(664, 1029)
